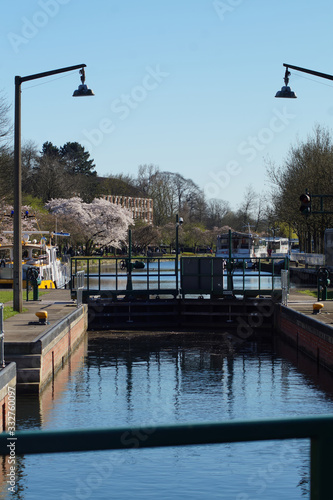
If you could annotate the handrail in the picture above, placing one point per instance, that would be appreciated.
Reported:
(208, 280)
(125, 274)
(212, 279)
(319, 429)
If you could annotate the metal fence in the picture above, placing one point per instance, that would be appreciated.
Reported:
(217, 277)
(311, 259)
(145, 276)
(319, 429)
(120, 276)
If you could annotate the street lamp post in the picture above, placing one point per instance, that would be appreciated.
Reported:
(17, 249)
(285, 91)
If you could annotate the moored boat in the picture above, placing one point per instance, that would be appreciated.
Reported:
(277, 247)
(244, 247)
(52, 273)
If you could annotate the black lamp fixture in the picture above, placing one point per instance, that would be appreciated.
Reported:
(286, 90)
(83, 89)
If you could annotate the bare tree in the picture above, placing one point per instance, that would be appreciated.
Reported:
(172, 194)
(5, 123)
(217, 210)
(247, 208)
(6, 155)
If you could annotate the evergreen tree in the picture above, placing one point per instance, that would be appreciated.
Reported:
(76, 159)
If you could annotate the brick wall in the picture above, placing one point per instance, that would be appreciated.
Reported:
(306, 334)
(55, 351)
(7, 380)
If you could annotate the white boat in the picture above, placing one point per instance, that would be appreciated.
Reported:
(277, 247)
(244, 247)
(52, 273)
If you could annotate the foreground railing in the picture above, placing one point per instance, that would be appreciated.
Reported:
(319, 429)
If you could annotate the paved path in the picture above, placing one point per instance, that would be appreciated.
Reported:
(304, 304)
(25, 327)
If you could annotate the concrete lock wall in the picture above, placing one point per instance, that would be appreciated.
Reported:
(7, 396)
(58, 344)
(306, 334)
(41, 359)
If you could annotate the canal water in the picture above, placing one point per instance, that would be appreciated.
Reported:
(130, 380)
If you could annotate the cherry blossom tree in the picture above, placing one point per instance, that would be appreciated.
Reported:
(99, 222)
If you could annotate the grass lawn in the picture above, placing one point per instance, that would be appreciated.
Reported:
(7, 296)
(314, 293)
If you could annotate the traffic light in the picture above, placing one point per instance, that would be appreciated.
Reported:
(305, 207)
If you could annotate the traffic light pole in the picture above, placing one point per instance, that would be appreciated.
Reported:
(306, 200)
(321, 211)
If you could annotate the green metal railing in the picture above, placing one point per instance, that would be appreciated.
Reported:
(207, 275)
(319, 429)
(125, 276)
(122, 276)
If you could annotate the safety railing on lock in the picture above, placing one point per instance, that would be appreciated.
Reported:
(219, 276)
(111, 277)
(121, 276)
(319, 429)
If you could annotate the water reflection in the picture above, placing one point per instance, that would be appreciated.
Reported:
(148, 379)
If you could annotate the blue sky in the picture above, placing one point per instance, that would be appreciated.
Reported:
(187, 85)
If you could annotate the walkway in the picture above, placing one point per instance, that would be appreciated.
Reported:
(25, 327)
(304, 304)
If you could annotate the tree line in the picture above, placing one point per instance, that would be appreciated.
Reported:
(308, 167)
(68, 172)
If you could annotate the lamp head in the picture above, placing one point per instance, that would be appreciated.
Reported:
(82, 89)
(286, 90)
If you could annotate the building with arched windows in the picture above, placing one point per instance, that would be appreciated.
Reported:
(141, 208)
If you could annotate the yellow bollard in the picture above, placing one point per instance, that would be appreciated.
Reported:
(42, 316)
(317, 306)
